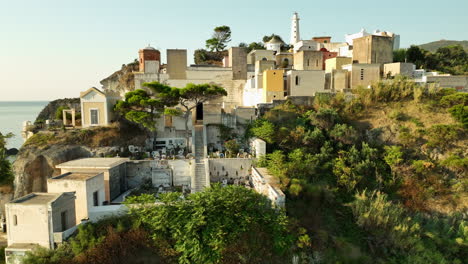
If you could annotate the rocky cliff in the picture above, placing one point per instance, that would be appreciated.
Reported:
(34, 166)
(121, 80)
(49, 110)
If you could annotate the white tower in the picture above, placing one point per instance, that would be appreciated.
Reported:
(295, 37)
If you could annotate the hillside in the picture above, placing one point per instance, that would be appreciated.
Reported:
(433, 46)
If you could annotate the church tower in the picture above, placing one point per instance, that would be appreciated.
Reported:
(295, 37)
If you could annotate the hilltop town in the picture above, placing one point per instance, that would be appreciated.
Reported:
(343, 125)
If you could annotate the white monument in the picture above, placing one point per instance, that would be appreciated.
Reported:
(295, 36)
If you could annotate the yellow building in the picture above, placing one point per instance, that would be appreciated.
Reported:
(336, 63)
(97, 107)
(273, 85)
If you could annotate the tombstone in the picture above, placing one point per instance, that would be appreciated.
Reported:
(131, 148)
(224, 182)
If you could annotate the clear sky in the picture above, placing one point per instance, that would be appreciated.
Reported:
(53, 49)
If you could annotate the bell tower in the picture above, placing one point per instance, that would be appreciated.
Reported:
(150, 59)
(295, 36)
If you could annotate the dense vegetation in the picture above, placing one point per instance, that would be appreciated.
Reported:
(374, 179)
(450, 59)
(228, 225)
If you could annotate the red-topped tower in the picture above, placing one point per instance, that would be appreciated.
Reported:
(150, 60)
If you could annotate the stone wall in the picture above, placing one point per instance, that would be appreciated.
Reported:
(220, 169)
(173, 172)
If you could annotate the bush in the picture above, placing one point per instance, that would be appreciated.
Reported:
(59, 112)
(454, 99)
(442, 136)
(460, 113)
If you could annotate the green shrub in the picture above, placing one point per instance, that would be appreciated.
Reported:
(454, 99)
(460, 113)
(59, 112)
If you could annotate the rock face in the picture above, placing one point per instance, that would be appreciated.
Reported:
(34, 166)
(121, 80)
(49, 110)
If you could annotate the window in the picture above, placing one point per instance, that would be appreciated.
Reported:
(316, 63)
(94, 114)
(15, 220)
(362, 74)
(325, 41)
(297, 80)
(63, 218)
(95, 198)
(308, 62)
(264, 59)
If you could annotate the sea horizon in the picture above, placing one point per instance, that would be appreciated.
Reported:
(12, 116)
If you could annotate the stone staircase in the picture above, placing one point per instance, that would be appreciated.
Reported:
(199, 181)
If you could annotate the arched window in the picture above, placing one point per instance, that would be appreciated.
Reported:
(264, 59)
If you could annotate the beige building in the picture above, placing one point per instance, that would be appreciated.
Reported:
(97, 107)
(37, 219)
(339, 80)
(88, 188)
(362, 74)
(399, 68)
(373, 49)
(256, 55)
(336, 63)
(308, 60)
(285, 60)
(114, 170)
(305, 83)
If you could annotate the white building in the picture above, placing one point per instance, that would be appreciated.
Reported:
(350, 37)
(295, 35)
(274, 44)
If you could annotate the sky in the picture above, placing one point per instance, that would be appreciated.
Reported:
(52, 49)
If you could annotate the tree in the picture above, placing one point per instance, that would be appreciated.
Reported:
(188, 97)
(221, 224)
(415, 55)
(142, 108)
(221, 36)
(6, 175)
(268, 38)
(399, 55)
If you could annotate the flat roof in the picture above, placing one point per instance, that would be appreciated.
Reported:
(92, 163)
(75, 176)
(37, 198)
(21, 246)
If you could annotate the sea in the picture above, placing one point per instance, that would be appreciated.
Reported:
(12, 116)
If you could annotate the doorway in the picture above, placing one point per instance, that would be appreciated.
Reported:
(199, 112)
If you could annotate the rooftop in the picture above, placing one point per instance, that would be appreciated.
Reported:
(37, 198)
(22, 246)
(75, 176)
(92, 163)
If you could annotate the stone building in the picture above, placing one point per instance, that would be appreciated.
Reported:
(113, 169)
(373, 49)
(38, 219)
(305, 83)
(398, 68)
(362, 74)
(336, 63)
(308, 60)
(88, 188)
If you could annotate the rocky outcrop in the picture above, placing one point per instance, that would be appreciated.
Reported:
(49, 110)
(34, 166)
(122, 80)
